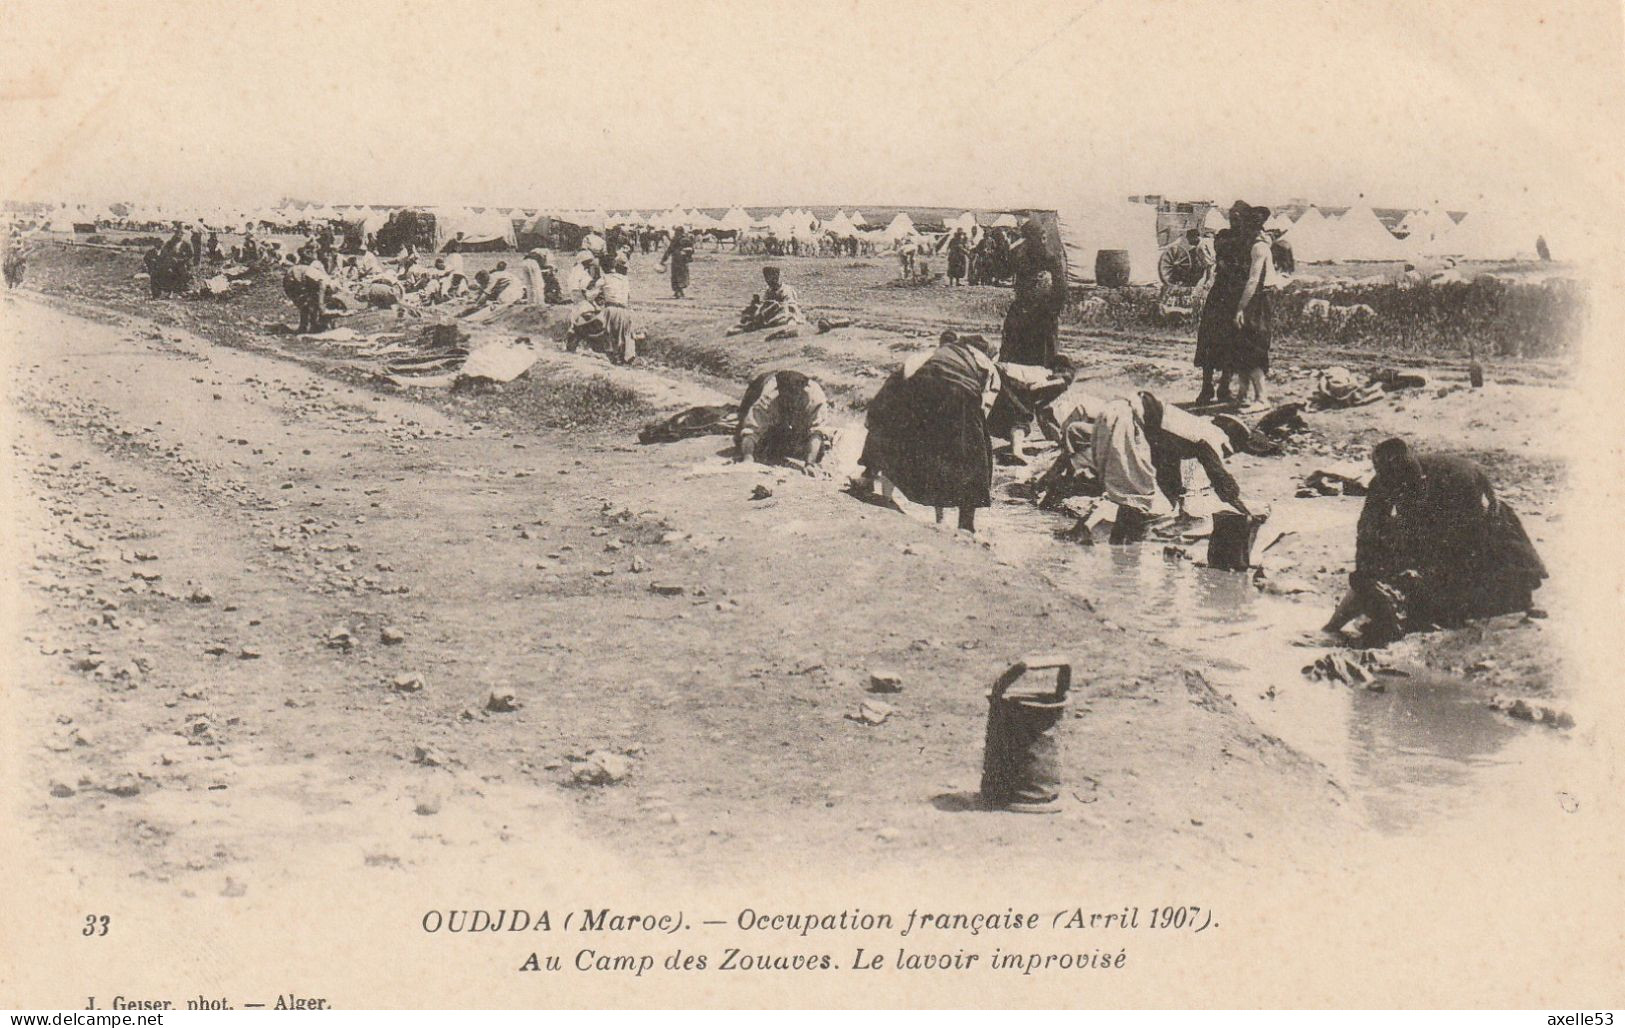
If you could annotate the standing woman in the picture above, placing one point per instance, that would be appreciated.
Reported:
(678, 255)
(1032, 322)
(958, 255)
(1254, 314)
(1216, 332)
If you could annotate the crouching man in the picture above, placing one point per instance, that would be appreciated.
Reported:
(783, 419)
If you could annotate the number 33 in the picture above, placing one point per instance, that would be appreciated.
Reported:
(95, 924)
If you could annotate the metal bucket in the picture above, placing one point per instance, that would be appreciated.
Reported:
(1230, 547)
(1021, 760)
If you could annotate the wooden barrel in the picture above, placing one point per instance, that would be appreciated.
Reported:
(1111, 268)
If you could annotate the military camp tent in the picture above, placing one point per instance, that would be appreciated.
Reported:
(1490, 236)
(1359, 235)
(1280, 221)
(1311, 237)
(736, 219)
(841, 226)
(900, 227)
(487, 230)
(1424, 229)
(859, 220)
(1088, 228)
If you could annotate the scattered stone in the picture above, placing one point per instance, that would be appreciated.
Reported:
(124, 785)
(673, 537)
(340, 639)
(200, 595)
(502, 700)
(666, 589)
(1534, 711)
(215, 649)
(427, 805)
(428, 756)
(62, 790)
(601, 768)
(639, 565)
(407, 683)
(871, 712)
(391, 636)
(248, 653)
(761, 492)
(885, 681)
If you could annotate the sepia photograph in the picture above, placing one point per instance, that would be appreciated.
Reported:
(737, 504)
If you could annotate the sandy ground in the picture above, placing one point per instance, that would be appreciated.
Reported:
(259, 590)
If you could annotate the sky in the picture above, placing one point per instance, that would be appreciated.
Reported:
(1488, 103)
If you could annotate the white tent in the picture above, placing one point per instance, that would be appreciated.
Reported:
(1488, 236)
(736, 219)
(1005, 221)
(1359, 235)
(901, 226)
(801, 224)
(1310, 237)
(966, 221)
(1424, 229)
(1280, 221)
(841, 226)
(858, 219)
(371, 220)
(476, 227)
(1088, 227)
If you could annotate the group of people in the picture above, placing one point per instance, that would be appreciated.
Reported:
(824, 244)
(1233, 335)
(602, 320)
(1435, 545)
(171, 265)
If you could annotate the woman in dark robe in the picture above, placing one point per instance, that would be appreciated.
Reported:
(958, 254)
(1434, 547)
(678, 255)
(1216, 333)
(927, 429)
(1255, 314)
(1032, 322)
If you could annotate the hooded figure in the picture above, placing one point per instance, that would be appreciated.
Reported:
(928, 428)
(1032, 322)
(1434, 546)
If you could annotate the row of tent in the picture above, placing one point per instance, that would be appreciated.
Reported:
(1359, 235)
(1087, 228)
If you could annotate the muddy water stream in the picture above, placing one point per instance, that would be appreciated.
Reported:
(1423, 751)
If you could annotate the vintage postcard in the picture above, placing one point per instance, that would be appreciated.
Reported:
(728, 503)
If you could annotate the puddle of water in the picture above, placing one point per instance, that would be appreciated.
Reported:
(1423, 750)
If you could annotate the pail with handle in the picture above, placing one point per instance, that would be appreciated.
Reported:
(1021, 760)
(1230, 547)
